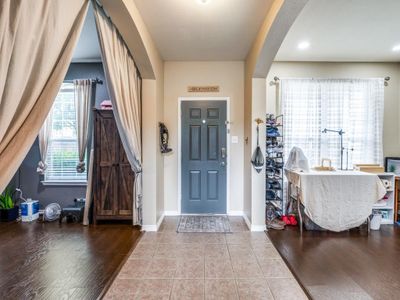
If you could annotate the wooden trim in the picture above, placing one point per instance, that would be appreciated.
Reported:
(117, 270)
(292, 270)
(396, 198)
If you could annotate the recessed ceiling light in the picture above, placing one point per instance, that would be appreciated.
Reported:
(203, 1)
(396, 48)
(303, 45)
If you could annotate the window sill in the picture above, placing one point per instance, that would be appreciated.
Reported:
(64, 183)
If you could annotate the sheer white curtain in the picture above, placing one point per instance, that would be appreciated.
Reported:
(301, 107)
(37, 40)
(44, 138)
(124, 84)
(354, 105)
(83, 96)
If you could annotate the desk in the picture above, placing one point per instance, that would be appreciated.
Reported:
(336, 200)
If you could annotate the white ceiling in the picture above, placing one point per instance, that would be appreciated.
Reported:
(218, 30)
(88, 48)
(345, 30)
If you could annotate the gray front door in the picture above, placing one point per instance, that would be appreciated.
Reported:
(203, 157)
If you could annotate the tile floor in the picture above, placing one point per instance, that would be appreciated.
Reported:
(238, 265)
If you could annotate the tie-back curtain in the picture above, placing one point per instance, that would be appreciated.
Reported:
(83, 96)
(353, 105)
(37, 40)
(124, 84)
(44, 138)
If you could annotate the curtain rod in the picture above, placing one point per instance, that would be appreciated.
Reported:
(277, 79)
(96, 81)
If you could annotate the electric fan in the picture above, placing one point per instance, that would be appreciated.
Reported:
(52, 212)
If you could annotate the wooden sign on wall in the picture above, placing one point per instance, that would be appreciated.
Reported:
(203, 89)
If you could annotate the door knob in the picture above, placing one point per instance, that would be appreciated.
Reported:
(222, 164)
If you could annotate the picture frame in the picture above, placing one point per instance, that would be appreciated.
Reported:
(392, 165)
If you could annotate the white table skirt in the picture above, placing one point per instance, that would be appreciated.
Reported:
(337, 200)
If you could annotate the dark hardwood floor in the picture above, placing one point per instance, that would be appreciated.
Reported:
(68, 261)
(348, 265)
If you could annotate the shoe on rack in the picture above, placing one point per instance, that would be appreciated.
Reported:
(280, 222)
(292, 220)
(272, 129)
(273, 132)
(286, 220)
(271, 195)
(270, 163)
(275, 224)
(274, 184)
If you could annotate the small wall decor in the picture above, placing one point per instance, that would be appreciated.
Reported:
(164, 137)
(257, 158)
(203, 89)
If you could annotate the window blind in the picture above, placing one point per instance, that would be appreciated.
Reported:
(62, 156)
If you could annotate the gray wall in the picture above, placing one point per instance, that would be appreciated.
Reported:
(30, 180)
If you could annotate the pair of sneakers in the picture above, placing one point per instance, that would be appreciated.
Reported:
(273, 184)
(272, 221)
(289, 220)
(273, 132)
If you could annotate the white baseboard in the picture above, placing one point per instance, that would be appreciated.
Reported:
(235, 213)
(253, 227)
(171, 213)
(258, 227)
(246, 219)
(160, 221)
(153, 227)
(149, 227)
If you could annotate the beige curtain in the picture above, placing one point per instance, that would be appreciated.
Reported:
(37, 40)
(83, 96)
(124, 84)
(44, 138)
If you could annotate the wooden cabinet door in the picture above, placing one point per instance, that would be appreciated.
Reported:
(106, 162)
(125, 184)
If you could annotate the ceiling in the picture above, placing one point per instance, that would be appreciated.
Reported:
(88, 48)
(344, 30)
(219, 30)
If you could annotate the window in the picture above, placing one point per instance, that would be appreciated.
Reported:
(353, 105)
(62, 156)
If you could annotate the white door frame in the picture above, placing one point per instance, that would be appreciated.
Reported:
(228, 147)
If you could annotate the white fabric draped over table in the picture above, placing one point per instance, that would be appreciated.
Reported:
(44, 138)
(124, 84)
(83, 96)
(37, 40)
(337, 200)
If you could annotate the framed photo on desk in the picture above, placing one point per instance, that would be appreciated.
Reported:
(392, 165)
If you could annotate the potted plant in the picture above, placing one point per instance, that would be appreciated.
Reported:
(8, 211)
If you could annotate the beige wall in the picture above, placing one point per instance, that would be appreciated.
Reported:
(230, 77)
(391, 128)
(253, 192)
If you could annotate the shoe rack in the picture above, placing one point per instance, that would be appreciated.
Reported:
(274, 162)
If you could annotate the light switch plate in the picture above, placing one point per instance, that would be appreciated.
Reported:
(235, 139)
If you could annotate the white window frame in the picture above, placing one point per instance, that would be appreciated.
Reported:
(60, 181)
(363, 97)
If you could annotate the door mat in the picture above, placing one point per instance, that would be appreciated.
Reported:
(204, 224)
